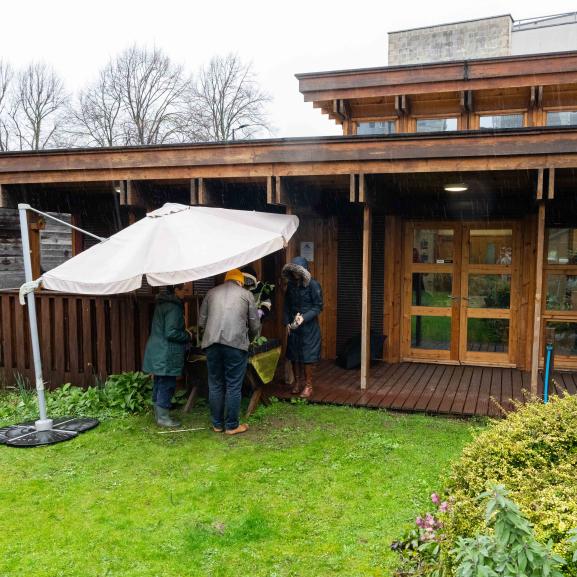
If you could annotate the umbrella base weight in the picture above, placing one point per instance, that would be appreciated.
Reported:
(45, 432)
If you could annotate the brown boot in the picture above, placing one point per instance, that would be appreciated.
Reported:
(308, 390)
(297, 387)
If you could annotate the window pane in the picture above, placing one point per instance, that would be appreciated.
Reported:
(384, 127)
(564, 118)
(436, 124)
(488, 335)
(561, 292)
(433, 246)
(432, 289)
(431, 332)
(491, 246)
(565, 338)
(489, 291)
(501, 121)
(562, 246)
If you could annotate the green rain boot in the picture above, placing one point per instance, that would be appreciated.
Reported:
(163, 418)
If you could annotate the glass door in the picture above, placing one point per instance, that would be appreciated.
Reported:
(488, 294)
(460, 292)
(431, 288)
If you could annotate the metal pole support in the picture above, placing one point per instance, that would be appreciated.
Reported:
(44, 423)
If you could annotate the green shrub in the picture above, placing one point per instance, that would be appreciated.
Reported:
(508, 548)
(533, 452)
(120, 395)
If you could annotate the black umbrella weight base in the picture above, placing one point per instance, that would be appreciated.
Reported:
(48, 432)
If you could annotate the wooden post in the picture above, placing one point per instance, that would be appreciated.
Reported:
(551, 187)
(202, 196)
(366, 299)
(538, 298)
(270, 190)
(193, 199)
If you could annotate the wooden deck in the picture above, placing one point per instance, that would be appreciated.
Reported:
(429, 388)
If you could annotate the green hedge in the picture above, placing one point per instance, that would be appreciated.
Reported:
(533, 452)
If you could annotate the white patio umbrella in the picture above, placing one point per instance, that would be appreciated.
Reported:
(172, 245)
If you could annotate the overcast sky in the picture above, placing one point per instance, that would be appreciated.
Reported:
(280, 38)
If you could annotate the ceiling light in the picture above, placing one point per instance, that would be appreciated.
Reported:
(456, 187)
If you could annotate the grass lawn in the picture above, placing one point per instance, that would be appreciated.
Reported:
(309, 491)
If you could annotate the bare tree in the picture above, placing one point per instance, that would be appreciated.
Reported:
(37, 110)
(6, 76)
(97, 118)
(226, 97)
(152, 91)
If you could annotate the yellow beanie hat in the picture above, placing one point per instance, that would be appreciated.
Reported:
(234, 274)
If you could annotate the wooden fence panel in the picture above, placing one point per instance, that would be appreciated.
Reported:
(81, 338)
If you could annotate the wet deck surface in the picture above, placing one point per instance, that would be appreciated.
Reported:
(429, 388)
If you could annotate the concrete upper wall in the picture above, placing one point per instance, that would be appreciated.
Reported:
(485, 38)
(554, 34)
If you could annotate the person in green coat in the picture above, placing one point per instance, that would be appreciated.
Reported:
(165, 350)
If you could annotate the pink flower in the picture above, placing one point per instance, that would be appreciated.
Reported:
(420, 522)
(435, 498)
(429, 521)
(444, 507)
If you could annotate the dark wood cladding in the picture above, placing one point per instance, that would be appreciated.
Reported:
(507, 149)
(526, 70)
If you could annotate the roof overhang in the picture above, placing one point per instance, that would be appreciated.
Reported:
(489, 73)
(526, 148)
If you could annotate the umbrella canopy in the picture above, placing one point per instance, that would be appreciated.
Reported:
(172, 245)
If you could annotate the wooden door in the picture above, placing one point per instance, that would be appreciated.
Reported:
(460, 290)
(489, 293)
(432, 255)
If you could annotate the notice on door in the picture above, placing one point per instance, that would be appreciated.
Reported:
(308, 250)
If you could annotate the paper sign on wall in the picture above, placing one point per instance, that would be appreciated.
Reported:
(308, 250)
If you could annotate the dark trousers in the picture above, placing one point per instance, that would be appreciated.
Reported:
(226, 369)
(163, 391)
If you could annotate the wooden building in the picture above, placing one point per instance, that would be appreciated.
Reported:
(444, 218)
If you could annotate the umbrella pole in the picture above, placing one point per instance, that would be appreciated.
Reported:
(44, 423)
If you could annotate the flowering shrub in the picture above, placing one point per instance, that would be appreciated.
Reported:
(509, 548)
(420, 547)
(533, 453)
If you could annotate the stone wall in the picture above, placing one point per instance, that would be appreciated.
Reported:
(484, 38)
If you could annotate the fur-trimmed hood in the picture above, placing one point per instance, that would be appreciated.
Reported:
(299, 267)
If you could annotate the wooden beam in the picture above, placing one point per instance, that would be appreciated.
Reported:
(540, 184)
(353, 188)
(202, 193)
(193, 198)
(366, 299)
(537, 328)
(282, 196)
(551, 187)
(270, 190)
(466, 101)
(120, 189)
(362, 188)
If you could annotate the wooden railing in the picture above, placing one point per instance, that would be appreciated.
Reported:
(82, 338)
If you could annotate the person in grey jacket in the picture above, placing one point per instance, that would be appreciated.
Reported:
(230, 321)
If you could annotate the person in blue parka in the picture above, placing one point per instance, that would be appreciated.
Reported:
(302, 306)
